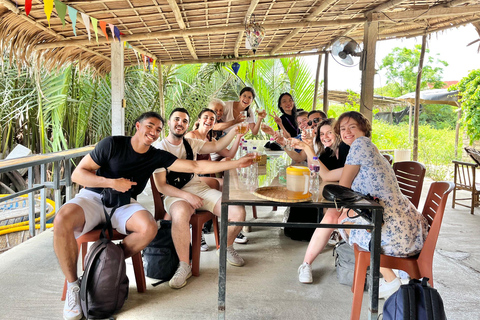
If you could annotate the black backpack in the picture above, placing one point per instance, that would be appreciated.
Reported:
(104, 283)
(160, 259)
(302, 214)
(414, 301)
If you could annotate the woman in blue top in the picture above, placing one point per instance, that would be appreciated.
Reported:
(368, 172)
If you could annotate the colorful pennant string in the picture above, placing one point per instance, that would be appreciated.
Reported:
(103, 26)
(61, 10)
(86, 22)
(48, 8)
(28, 6)
(72, 13)
(95, 27)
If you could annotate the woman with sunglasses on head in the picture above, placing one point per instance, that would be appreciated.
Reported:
(368, 172)
(232, 112)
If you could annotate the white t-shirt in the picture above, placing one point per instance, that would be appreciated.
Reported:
(180, 152)
(228, 115)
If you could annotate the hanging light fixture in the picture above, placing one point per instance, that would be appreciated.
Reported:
(254, 32)
(235, 67)
(254, 36)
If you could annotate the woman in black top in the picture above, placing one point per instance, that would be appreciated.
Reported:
(288, 118)
(331, 149)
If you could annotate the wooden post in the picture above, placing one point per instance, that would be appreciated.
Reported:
(160, 95)
(417, 99)
(317, 79)
(118, 89)
(457, 131)
(367, 66)
(325, 85)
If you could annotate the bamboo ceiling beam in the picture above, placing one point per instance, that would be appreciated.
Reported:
(385, 6)
(436, 12)
(411, 33)
(250, 10)
(12, 7)
(248, 58)
(202, 31)
(311, 17)
(182, 26)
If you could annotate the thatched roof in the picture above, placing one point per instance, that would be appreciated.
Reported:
(187, 31)
(383, 103)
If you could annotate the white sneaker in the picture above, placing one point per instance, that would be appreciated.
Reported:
(241, 238)
(305, 273)
(233, 257)
(72, 309)
(203, 244)
(334, 238)
(386, 289)
(179, 279)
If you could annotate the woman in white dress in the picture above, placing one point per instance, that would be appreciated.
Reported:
(232, 112)
(368, 172)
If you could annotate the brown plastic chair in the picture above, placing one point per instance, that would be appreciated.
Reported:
(418, 266)
(94, 235)
(465, 179)
(197, 220)
(389, 157)
(410, 175)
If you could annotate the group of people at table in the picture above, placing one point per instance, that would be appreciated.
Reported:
(343, 146)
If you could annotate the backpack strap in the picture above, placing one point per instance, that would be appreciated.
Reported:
(428, 297)
(409, 302)
(188, 149)
(86, 275)
(108, 222)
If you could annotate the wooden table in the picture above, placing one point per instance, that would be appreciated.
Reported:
(236, 192)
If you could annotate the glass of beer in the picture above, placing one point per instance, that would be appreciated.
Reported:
(262, 113)
(243, 127)
(258, 156)
(309, 133)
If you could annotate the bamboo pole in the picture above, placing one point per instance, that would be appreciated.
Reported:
(317, 80)
(202, 31)
(417, 99)
(325, 85)
(160, 94)
(248, 58)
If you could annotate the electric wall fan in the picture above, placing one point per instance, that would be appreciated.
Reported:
(346, 51)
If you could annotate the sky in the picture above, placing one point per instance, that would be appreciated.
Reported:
(451, 45)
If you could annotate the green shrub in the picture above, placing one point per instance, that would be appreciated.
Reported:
(436, 147)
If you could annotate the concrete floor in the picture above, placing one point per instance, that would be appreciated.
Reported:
(266, 287)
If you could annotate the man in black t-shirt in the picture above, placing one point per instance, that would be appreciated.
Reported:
(125, 165)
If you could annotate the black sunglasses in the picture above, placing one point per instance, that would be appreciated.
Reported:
(316, 120)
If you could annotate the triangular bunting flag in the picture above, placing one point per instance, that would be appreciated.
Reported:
(103, 26)
(112, 27)
(61, 10)
(95, 28)
(86, 22)
(153, 67)
(72, 13)
(48, 7)
(116, 32)
(28, 6)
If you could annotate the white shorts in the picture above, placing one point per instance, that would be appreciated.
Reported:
(91, 203)
(210, 196)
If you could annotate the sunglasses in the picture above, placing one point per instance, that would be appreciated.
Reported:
(316, 120)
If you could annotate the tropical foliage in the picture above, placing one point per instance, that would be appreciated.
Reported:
(66, 109)
(401, 71)
(469, 89)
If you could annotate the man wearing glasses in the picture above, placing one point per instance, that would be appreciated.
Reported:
(314, 118)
